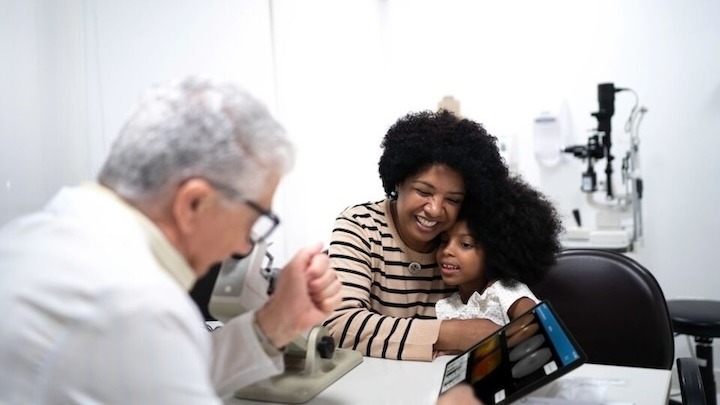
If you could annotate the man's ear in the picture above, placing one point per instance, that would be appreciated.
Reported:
(192, 200)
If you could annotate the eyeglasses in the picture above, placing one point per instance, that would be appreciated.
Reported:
(264, 225)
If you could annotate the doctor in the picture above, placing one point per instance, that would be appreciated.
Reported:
(93, 288)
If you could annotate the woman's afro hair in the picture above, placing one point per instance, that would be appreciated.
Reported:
(422, 139)
(519, 232)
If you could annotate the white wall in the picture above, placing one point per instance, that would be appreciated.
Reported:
(43, 135)
(339, 73)
(343, 80)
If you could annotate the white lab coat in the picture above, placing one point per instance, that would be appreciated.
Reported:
(95, 309)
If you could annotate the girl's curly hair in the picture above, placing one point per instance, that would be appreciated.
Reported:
(422, 139)
(519, 232)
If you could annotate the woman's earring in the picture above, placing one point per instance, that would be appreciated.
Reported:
(393, 195)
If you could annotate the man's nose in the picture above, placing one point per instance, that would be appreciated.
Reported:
(243, 249)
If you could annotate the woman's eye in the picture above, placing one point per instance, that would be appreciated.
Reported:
(422, 192)
(455, 202)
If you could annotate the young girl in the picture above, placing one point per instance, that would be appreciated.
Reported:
(493, 253)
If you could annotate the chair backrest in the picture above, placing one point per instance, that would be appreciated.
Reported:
(613, 306)
(691, 385)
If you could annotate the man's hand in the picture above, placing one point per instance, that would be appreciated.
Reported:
(461, 394)
(307, 291)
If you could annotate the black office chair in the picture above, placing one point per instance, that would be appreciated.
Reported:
(202, 291)
(690, 380)
(613, 307)
(700, 319)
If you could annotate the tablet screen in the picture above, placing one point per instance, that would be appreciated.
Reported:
(527, 353)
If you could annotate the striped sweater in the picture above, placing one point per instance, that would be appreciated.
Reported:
(388, 307)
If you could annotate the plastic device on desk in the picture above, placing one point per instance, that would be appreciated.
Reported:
(312, 362)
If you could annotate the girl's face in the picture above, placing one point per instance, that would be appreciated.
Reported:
(428, 204)
(460, 258)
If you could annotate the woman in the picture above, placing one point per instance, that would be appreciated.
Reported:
(384, 252)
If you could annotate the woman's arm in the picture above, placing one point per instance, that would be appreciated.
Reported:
(458, 335)
(385, 311)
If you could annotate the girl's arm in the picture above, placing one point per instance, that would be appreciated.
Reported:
(520, 306)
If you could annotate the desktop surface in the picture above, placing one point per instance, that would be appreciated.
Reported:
(382, 381)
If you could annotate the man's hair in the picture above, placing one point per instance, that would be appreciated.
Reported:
(196, 128)
(422, 139)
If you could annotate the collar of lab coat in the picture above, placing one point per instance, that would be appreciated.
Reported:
(167, 256)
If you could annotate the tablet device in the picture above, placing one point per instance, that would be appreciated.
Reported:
(524, 355)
